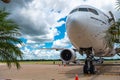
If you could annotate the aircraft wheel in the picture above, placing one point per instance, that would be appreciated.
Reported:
(92, 69)
(85, 69)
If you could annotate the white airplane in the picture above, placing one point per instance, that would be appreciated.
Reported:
(87, 30)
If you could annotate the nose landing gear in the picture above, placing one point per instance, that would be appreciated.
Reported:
(89, 67)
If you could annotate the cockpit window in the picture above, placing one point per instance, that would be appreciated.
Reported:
(79, 9)
(82, 9)
(74, 10)
(93, 11)
(85, 10)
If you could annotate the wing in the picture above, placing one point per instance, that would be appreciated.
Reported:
(57, 49)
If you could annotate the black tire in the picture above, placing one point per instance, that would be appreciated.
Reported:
(92, 69)
(102, 62)
(85, 69)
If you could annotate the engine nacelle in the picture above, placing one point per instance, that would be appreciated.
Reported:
(68, 55)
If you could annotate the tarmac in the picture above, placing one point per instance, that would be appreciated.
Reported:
(59, 72)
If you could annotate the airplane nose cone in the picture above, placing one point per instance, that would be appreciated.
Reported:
(76, 20)
(78, 30)
(72, 20)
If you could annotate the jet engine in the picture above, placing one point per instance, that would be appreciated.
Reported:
(68, 55)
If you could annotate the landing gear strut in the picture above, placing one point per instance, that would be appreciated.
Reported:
(89, 67)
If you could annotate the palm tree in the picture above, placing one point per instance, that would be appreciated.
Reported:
(118, 4)
(6, 1)
(114, 31)
(113, 34)
(9, 51)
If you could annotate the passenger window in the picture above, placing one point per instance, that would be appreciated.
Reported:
(93, 11)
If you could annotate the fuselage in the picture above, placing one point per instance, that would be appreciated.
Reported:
(86, 27)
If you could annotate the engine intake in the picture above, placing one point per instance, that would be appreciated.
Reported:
(68, 55)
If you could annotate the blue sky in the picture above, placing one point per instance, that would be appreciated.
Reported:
(42, 23)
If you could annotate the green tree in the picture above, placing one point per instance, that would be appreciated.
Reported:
(9, 51)
(118, 4)
(113, 33)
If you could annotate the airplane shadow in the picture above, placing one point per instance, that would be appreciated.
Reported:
(101, 70)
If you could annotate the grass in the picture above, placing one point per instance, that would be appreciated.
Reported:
(59, 62)
(40, 62)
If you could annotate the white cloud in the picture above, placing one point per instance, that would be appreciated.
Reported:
(37, 18)
(41, 54)
(62, 43)
(49, 54)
